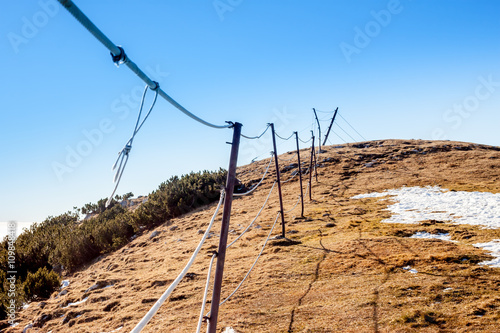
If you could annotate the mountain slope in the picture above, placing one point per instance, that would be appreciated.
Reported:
(345, 270)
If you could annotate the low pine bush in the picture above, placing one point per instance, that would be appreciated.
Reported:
(41, 284)
(64, 242)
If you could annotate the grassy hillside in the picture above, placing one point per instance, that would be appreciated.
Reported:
(341, 269)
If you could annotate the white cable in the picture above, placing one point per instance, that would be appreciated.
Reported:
(265, 202)
(144, 321)
(288, 159)
(305, 141)
(353, 139)
(352, 127)
(289, 179)
(255, 187)
(117, 52)
(282, 138)
(124, 153)
(255, 262)
(256, 137)
(204, 302)
(298, 200)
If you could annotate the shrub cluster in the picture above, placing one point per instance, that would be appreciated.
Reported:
(65, 243)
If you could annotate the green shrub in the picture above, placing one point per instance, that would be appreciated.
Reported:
(41, 284)
(65, 242)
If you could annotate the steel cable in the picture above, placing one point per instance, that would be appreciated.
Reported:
(353, 139)
(256, 137)
(255, 187)
(352, 127)
(123, 155)
(204, 302)
(255, 262)
(288, 159)
(144, 321)
(258, 214)
(298, 200)
(289, 179)
(119, 57)
(282, 138)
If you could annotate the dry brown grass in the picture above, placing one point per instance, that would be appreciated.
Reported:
(344, 273)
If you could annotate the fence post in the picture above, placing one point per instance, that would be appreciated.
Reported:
(310, 167)
(319, 129)
(330, 127)
(300, 174)
(278, 180)
(221, 256)
(315, 163)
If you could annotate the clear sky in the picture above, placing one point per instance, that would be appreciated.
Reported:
(404, 69)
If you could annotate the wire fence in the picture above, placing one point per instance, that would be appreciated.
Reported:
(119, 57)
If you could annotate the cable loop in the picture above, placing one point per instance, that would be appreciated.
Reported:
(282, 138)
(123, 155)
(305, 141)
(256, 137)
(255, 187)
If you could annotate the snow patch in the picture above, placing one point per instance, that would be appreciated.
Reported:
(416, 204)
(426, 235)
(77, 303)
(64, 283)
(494, 248)
(411, 270)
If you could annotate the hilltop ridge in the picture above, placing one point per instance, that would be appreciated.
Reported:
(344, 271)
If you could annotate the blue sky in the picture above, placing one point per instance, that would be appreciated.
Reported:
(396, 69)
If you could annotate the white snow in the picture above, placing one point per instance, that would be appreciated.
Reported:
(64, 283)
(422, 234)
(77, 303)
(411, 270)
(415, 204)
(494, 248)
(229, 330)
(115, 330)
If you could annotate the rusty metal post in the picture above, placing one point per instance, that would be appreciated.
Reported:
(330, 127)
(319, 129)
(226, 215)
(279, 182)
(300, 174)
(310, 168)
(315, 163)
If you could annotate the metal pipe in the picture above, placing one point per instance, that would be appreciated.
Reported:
(319, 129)
(330, 127)
(226, 215)
(300, 174)
(310, 168)
(278, 180)
(315, 164)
